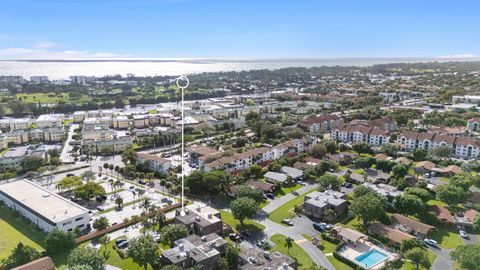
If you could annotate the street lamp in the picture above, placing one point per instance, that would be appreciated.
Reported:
(182, 83)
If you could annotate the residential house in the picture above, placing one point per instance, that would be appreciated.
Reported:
(44, 263)
(255, 258)
(295, 174)
(466, 220)
(473, 124)
(324, 205)
(390, 192)
(347, 235)
(394, 236)
(201, 220)
(411, 226)
(276, 178)
(193, 250)
(154, 163)
(442, 214)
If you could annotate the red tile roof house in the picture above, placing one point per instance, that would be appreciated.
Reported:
(466, 219)
(394, 236)
(411, 226)
(44, 263)
(442, 214)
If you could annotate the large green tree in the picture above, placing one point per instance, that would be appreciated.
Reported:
(329, 181)
(246, 191)
(409, 204)
(69, 182)
(59, 241)
(368, 208)
(143, 250)
(89, 190)
(20, 255)
(468, 256)
(86, 256)
(419, 257)
(173, 232)
(243, 208)
(451, 194)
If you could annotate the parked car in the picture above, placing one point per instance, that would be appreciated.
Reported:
(431, 242)
(319, 227)
(123, 245)
(288, 222)
(119, 241)
(463, 234)
(235, 237)
(348, 185)
(70, 174)
(245, 234)
(142, 182)
(301, 183)
(270, 195)
(100, 208)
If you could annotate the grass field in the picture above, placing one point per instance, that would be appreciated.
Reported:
(51, 98)
(303, 260)
(411, 266)
(250, 225)
(14, 230)
(447, 238)
(285, 190)
(286, 210)
(114, 259)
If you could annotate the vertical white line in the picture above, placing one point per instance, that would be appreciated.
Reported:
(183, 130)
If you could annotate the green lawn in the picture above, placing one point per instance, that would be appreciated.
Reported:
(250, 225)
(114, 259)
(286, 210)
(16, 229)
(285, 190)
(447, 238)
(338, 264)
(410, 266)
(303, 260)
(328, 248)
(435, 202)
(51, 98)
(352, 223)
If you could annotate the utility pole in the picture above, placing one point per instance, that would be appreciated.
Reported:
(182, 83)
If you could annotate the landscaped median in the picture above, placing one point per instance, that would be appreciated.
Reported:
(286, 210)
(303, 260)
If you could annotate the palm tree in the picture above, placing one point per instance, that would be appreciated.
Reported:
(168, 185)
(288, 244)
(163, 182)
(146, 204)
(117, 169)
(111, 167)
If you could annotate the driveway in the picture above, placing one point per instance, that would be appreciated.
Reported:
(277, 202)
(443, 260)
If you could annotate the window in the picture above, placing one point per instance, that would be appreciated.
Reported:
(80, 218)
(66, 223)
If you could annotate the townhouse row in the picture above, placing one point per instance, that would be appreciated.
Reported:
(21, 136)
(42, 121)
(463, 147)
(361, 133)
(242, 161)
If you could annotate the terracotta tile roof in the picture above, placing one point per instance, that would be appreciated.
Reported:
(378, 132)
(44, 263)
(403, 160)
(265, 187)
(348, 234)
(425, 136)
(394, 235)
(442, 213)
(471, 214)
(412, 224)
(474, 119)
(412, 135)
(444, 138)
(381, 157)
(427, 165)
(201, 150)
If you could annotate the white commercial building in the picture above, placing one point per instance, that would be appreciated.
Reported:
(45, 209)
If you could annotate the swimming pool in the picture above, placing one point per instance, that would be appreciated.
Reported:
(371, 258)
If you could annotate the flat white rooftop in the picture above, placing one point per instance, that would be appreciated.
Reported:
(41, 201)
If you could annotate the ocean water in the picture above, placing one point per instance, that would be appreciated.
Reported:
(63, 69)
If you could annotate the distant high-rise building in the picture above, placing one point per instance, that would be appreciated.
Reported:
(39, 79)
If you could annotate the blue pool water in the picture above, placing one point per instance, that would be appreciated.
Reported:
(371, 258)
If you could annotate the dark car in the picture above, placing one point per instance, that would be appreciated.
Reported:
(119, 241)
(142, 182)
(70, 174)
(245, 234)
(235, 237)
(123, 245)
(319, 227)
(270, 195)
(348, 185)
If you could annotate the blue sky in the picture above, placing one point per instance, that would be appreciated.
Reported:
(238, 28)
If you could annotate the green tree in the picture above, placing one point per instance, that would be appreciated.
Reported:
(171, 267)
(318, 150)
(441, 152)
(329, 181)
(20, 255)
(31, 163)
(69, 182)
(419, 192)
(399, 171)
(419, 257)
(86, 256)
(243, 208)
(409, 204)
(59, 241)
(363, 162)
(246, 191)
(129, 156)
(362, 148)
(80, 267)
(173, 232)
(468, 256)
(389, 149)
(89, 190)
(143, 250)
(331, 146)
(231, 254)
(411, 243)
(100, 223)
(385, 165)
(451, 194)
(368, 208)
(419, 154)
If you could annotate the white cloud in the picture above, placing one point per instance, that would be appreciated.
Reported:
(46, 45)
(458, 56)
(45, 54)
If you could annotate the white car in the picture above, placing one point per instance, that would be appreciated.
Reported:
(431, 242)
(463, 234)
